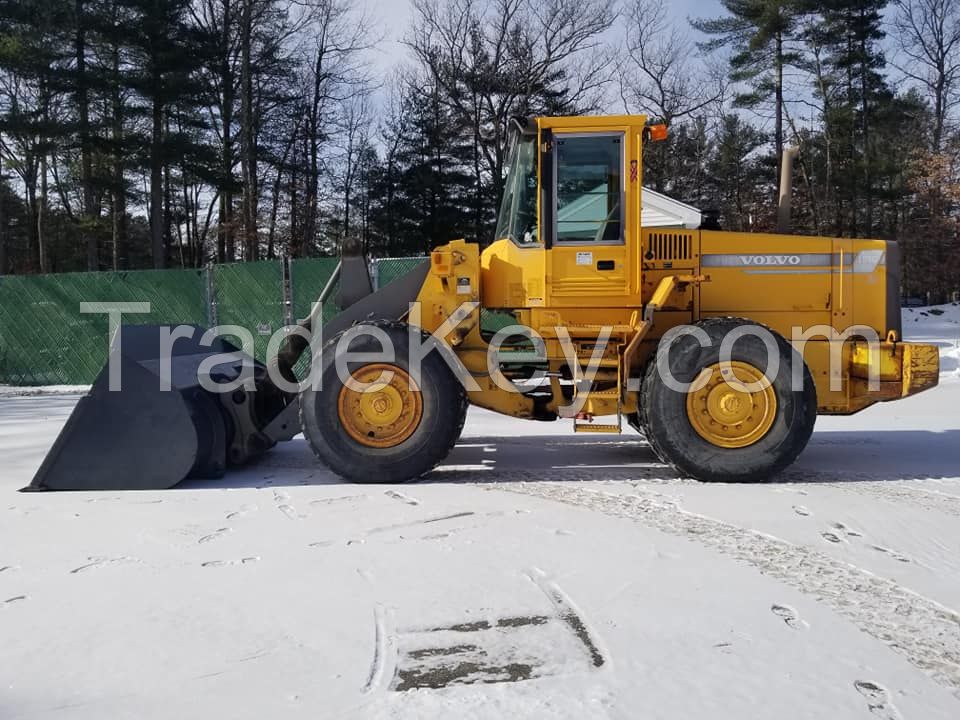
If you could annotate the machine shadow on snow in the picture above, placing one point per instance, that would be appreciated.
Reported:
(877, 456)
(832, 457)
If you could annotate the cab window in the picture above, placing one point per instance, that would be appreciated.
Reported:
(589, 189)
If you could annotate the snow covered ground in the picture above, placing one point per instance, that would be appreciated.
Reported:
(537, 574)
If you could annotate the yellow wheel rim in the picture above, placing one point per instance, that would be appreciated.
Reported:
(736, 407)
(384, 407)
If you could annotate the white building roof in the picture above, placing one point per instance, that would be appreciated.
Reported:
(662, 211)
(658, 211)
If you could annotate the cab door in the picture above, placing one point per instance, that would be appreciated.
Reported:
(594, 175)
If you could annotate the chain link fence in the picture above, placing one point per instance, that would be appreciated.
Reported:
(45, 339)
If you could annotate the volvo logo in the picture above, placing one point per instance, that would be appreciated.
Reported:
(772, 260)
(863, 261)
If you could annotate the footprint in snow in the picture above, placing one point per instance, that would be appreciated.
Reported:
(878, 700)
(242, 512)
(789, 616)
(283, 505)
(437, 536)
(892, 553)
(99, 562)
(842, 530)
(846, 530)
(290, 512)
(801, 510)
(214, 535)
(227, 563)
(342, 499)
(401, 497)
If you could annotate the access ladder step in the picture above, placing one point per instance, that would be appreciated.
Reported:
(576, 328)
(585, 360)
(591, 428)
(610, 394)
(592, 331)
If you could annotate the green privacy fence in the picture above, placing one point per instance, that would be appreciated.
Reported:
(252, 296)
(45, 338)
(389, 269)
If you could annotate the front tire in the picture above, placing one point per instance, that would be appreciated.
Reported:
(397, 430)
(726, 431)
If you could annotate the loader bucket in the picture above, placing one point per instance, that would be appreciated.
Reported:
(142, 437)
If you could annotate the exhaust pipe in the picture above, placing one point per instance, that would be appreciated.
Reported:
(786, 189)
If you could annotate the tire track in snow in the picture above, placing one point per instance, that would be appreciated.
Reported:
(905, 490)
(922, 498)
(383, 643)
(568, 613)
(925, 632)
(646, 473)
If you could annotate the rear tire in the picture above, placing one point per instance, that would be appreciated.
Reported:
(430, 423)
(689, 432)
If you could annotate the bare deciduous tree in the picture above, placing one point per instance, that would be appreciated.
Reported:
(494, 59)
(928, 32)
(659, 75)
(334, 75)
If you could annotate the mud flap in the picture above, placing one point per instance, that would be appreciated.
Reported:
(142, 437)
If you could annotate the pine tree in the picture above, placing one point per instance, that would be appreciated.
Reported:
(760, 33)
(426, 191)
(168, 54)
(850, 31)
(735, 186)
(33, 35)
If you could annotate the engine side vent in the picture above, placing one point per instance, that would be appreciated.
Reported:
(669, 246)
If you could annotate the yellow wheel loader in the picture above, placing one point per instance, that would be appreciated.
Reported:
(720, 347)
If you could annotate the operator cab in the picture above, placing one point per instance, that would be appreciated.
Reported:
(568, 230)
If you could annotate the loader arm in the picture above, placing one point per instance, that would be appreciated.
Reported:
(388, 303)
